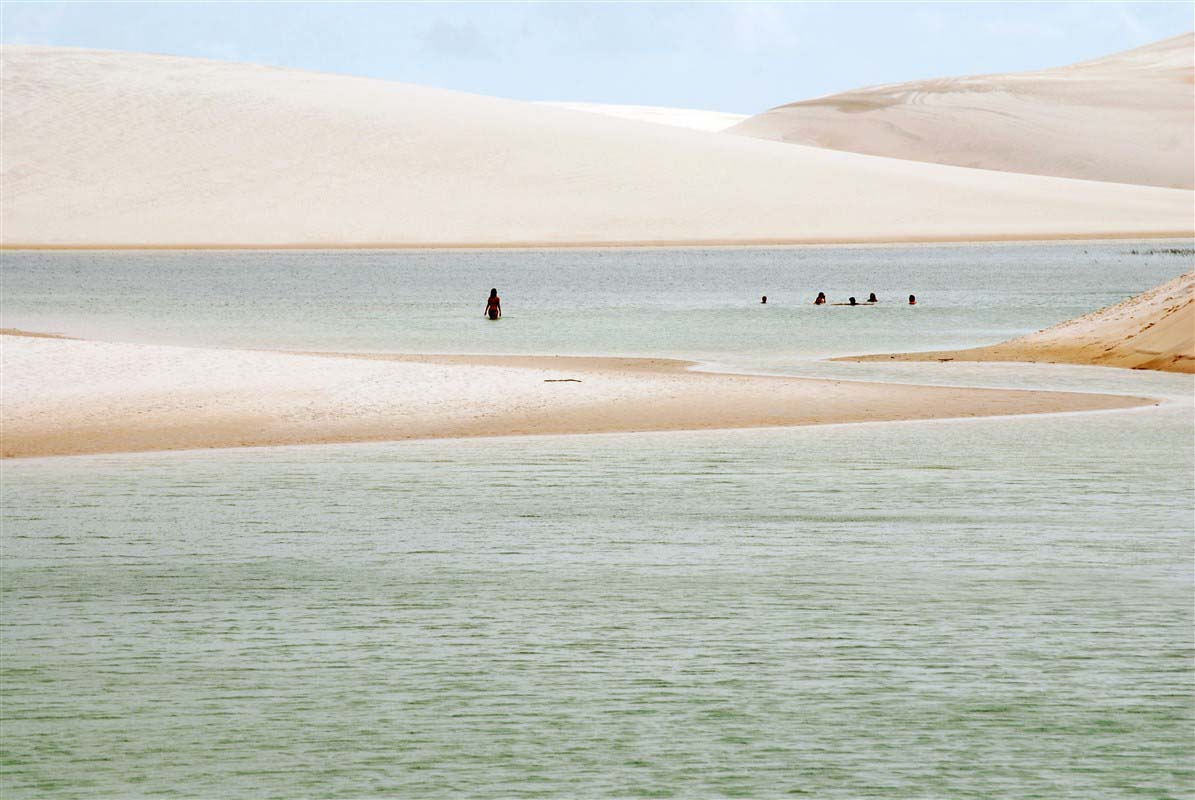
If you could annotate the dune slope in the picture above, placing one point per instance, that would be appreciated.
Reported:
(117, 149)
(1128, 118)
(1154, 330)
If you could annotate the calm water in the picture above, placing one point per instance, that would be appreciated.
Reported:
(989, 608)
(690, 303)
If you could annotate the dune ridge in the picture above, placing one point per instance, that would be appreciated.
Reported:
(1126, 118)
(691, 118)
(106, 149)
(1153, 330)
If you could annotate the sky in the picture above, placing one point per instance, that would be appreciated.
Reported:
(740, 57)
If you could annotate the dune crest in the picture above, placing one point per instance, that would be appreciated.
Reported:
(1154, 330)
(107, 149)
(691, 118)
(1125, 118)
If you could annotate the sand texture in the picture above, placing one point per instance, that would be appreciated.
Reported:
(691, 118)
(108, 149)
(1126, 118)
(1154, 330)
(65, 397)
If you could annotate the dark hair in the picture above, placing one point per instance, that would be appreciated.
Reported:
(493, 292)
(821, 294)
(871, 296)
(852, 301)
(912, 297)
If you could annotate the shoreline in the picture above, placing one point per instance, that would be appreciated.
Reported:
(75, 397)
(1154, 330)
(1010, 353)
(1127, 236)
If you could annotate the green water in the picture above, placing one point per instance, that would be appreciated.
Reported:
(981, 608)
(689, 303)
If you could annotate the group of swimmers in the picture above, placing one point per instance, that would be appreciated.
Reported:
(493, 306)
(871, 300)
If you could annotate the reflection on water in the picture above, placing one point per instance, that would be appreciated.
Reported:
(981, 608)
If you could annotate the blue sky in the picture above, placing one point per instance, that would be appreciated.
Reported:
(743, 57)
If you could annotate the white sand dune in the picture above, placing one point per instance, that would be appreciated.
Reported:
(691, 118)
(1154, 330)
(1128, 118)
(64, 396)
(116, 149)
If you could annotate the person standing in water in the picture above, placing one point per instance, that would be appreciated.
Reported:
(764, 301)
(912, 299)
(821, 299)
(871, 298)
(493, 306)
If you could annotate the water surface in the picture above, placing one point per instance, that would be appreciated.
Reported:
(982, 608)
(957, 609)
(687, 303)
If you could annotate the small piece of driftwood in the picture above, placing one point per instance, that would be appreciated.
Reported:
(561, 380)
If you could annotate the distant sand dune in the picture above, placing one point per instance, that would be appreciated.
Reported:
(1154, 330)
(1128, 118)
(118, 149)
(691, 118)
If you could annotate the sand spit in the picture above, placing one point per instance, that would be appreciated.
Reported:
(1154, 330)
(1125, 118)
(106, 149)
(32, 334)
(64, 397)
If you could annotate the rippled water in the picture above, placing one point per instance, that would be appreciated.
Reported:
(981, 608)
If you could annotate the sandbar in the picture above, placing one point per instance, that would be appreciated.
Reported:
(68, 397)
